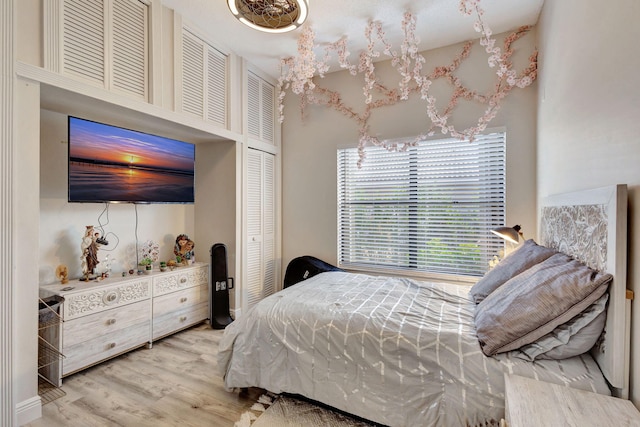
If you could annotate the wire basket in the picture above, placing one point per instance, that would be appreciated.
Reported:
(49, 309)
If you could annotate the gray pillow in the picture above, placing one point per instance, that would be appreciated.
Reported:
(573, 338)
(535, 302)
(523, 258)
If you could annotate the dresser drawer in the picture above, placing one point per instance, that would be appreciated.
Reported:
(180, 279)
(179, 310)
(104, 298)
(180, 300)
(173, 322)
(120, 319)
(89, 352)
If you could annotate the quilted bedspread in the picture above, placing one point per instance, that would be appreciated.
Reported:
(395, 351)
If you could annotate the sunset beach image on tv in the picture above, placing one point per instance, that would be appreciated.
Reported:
(113, 164)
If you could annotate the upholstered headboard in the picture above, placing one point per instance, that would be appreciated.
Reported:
(591, 226)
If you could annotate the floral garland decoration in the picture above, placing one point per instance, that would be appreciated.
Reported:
(297, 74)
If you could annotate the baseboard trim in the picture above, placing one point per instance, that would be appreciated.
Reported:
(29, 410)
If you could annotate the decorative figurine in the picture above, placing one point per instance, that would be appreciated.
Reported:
(149, 251)
(62, 273)
(184, 249)
(189, 254)
(89, 256)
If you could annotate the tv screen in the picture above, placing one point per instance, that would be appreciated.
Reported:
(112, 164)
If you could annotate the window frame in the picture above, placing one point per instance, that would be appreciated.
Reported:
(489, 244)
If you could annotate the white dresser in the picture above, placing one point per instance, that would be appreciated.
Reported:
(103, 319)
(180, 299)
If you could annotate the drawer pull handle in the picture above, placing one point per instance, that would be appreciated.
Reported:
(183, 280)
(111, 321)
(183, 318)
(111, 297)
(112, 345)
(183, 299)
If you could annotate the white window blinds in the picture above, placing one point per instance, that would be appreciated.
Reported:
(429, 209)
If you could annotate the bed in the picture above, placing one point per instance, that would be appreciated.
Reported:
(402, 352)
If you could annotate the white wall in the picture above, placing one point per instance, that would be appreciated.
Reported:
(45, 229)
(219, 167)
(589, 113)
(309, 148)
(25, 230)
(62, 224)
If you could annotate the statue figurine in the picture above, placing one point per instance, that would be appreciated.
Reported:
(62, 273)
(89, 255)
(183, 249)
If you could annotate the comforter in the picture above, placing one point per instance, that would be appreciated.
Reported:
(395, 351)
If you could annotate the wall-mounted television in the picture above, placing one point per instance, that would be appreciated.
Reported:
(110, 164)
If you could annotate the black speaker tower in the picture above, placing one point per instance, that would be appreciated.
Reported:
(220, 285)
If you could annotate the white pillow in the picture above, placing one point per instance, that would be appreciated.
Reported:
(523, 258)
(573, 338)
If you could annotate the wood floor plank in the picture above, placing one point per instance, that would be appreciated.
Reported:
(175, 383)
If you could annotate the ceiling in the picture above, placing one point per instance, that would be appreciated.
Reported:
(439, 23)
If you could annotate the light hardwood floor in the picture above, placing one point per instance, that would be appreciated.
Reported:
(175, 383)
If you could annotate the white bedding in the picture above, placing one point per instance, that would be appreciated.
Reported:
(395, 351)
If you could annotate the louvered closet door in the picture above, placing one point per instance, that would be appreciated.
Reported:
(260, 104)
(204, 80)
(84, 39)
(261, 272)
(192, 74)
(216, 87)
(106, 42)
(130, 47)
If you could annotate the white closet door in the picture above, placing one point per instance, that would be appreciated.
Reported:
(84, 39)
(268, 222)
(106, 43)
(261, 272)
(130, 47)
(193, 53)
(204, 79)
(260, 107)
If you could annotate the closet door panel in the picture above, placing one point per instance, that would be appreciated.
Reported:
(261, 271)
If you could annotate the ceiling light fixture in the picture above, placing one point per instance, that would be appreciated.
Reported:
(271, 16)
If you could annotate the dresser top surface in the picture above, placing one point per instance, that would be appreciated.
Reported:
(77, 286)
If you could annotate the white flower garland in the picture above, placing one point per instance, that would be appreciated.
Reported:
(297, 74)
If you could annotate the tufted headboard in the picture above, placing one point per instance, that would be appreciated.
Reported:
(591, 226)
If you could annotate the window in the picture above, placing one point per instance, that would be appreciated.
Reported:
(426, 210)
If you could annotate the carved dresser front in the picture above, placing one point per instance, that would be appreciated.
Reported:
(106, 318)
